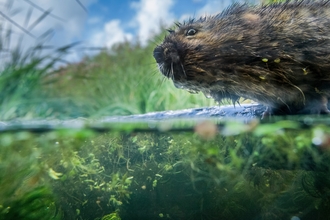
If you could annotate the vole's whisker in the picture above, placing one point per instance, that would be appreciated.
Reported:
(172, 71)
(184, 72)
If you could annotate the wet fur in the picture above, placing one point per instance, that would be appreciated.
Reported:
(277, 55)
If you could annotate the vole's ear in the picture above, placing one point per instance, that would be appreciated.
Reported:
(178, 24)
(170, 31)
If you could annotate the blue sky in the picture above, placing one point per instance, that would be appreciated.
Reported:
(105, 23)
(141, 18)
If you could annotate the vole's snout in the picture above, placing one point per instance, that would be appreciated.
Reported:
(159, 54)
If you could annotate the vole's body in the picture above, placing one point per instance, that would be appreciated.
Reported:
(278, 55)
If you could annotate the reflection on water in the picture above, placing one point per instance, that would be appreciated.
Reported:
(169, 170)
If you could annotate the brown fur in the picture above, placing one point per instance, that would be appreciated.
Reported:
(278, 55)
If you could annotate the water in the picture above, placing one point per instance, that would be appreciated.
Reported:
(166, 168)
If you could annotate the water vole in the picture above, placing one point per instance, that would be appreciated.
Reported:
(277, 55)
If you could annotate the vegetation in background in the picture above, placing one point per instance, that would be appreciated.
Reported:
(22, 87)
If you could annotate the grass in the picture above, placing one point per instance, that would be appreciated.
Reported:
(22, 87)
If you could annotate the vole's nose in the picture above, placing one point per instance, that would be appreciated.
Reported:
(159, 54)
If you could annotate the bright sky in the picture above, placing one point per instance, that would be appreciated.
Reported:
(105, 23)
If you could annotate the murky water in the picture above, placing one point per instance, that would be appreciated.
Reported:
(187, 168)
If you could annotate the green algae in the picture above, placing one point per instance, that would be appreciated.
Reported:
(246, 170)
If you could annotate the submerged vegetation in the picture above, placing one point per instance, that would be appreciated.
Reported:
(266, 171)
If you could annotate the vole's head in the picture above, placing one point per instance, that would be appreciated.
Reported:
(197, 49)
(184, 49)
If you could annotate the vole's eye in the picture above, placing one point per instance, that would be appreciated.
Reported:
(191, 32)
